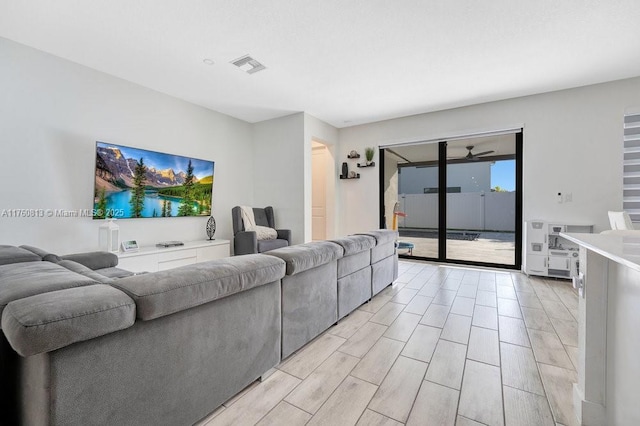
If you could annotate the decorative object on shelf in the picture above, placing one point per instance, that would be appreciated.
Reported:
(350, 176)
(211, 228)
(345, 170)
(129, 246)
(109, 236)
(369, 152)
(166, 244)
(353, 154)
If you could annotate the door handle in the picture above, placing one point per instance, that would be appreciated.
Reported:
(545, 262)
(568, 266)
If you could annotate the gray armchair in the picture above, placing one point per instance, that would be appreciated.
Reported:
(246, 242)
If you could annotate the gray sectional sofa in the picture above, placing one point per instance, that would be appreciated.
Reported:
(84, 342)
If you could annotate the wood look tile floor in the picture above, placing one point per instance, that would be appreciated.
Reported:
(441, 346)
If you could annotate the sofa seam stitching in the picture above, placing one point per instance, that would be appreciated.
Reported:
(67, 318)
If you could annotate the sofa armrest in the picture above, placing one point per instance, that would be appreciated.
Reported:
(50, 321)
(284, 234)
(245, 242)
(94, 260)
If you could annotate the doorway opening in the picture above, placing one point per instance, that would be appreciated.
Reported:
(321, 208)
(457, 201)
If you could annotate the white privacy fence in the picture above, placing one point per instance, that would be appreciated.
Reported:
(491, 211)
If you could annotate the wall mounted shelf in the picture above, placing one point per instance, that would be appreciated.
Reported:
(349, 156)
(373, 164)
(347, 177)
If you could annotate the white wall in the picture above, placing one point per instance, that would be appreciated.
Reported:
(572, 144)
(52, 113)
(279, 167)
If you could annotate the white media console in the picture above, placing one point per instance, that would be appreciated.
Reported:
(153, 259)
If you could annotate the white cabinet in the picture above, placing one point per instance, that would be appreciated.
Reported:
(153, 259)
(212, 252)
(559, 263)
(547, 253)
(146, 263)
(536, 264)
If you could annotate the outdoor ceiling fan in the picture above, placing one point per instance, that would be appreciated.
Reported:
(474, 157)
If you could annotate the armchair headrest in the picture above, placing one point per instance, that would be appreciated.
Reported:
(263, 217)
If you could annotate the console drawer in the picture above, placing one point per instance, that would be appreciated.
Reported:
(163, 266)
(177, 255)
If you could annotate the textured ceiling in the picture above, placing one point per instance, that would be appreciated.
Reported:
(344, 62)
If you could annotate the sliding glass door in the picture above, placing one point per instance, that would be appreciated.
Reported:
(457, 201)
(411, 198)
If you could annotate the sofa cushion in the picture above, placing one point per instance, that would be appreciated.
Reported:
(28, 279)
(383, 273)
(353, 290)
(50, 321)
(266, 245)
(350, 264)
(114, 273)
(11, 254)
(94, 260)
(355, 243)
(35, 250)
(44, 255)
(83, 270)
(382, 251)
(162, 293)
(382, 235)
(302, 257)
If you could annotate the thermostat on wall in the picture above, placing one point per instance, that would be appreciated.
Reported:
(128, 246)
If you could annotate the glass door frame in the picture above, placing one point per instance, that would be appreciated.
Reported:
(442, 207)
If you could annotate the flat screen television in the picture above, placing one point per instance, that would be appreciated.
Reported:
(137, 183)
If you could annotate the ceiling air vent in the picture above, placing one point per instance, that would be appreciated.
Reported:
(248, 64)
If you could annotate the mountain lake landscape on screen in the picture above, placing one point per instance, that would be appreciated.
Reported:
(137, 183)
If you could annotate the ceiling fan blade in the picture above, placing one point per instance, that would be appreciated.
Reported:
(483, 153)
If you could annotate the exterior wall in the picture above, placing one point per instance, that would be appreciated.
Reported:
(472, 177)
(491, 211)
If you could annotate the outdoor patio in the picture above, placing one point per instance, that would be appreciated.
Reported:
(490, 247)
